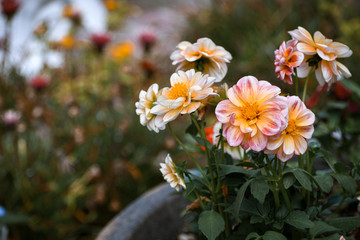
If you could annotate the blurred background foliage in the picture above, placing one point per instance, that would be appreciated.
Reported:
(78, 154)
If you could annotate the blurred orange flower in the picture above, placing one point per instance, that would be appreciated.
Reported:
(122, 50)
(67, 42)
(111, 5)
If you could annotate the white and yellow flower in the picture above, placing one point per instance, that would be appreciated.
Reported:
(203, 56)
(185, 95)
(321, 53)
(168, 170)
(293, 139)
(143, 108)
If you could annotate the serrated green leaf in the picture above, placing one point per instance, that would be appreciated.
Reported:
(321, 227)
(346, 181)
(346, 224)
(211, 224)
(299, 219)
(259, 189)
(271, 235)
(325, 182)
(201, 142)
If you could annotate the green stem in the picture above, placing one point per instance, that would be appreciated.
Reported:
(196, 192)
(296, 84)
(308, 162)
(189, 154)
(282, 188)
(301, 161)
(202, 135)
(340, 203)
(306, 85)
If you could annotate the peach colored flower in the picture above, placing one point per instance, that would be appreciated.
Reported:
(321, 53)
(143, 109)
(235, 152)
(203, 56)
(253, 113)
(168, 170)
(185, 95)
(286, 59)
(292, 139)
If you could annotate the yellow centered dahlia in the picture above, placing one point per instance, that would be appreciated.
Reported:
(321, 53)
(292, 139)
(286, 59)
(185, 95)
(253, 112)
(143, 107)
(168, 170)
(203, 56)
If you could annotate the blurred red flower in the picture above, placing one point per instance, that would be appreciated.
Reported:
(100, 40)
(39, 82)
(9, 7)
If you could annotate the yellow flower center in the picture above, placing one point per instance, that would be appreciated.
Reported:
(291, 128)
(250, 112)
(179, 89)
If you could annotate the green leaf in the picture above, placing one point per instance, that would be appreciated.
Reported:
(346, 224)
(201, 142)
(271, 235)
(299, 219)
(329, 158)
(288, 180)
(189, 189)
(228, 169)
(256, 219)
(259, 189)
(252, 235)
(325, 182)
(321, 227)
(355, 88)
(341, 168)
(211, 224)
(240, 196)
(282, 212)
(302, 178)
(346, 181)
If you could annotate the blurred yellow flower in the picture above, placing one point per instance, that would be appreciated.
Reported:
(67, 42)
(122, 50)
(111, 5)
(68, 11)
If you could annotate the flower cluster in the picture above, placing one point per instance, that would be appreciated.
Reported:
(308, 54)
(257, 130)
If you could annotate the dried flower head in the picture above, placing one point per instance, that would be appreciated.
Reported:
(185, 95)
(9, 7)
(299, 128)
(39, 82)
(203, 56)
(286, 59)
(168, 170)
(253, 113)
(100, 40)
(321, 53)
(143, 108)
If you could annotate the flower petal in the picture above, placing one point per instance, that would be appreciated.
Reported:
(300, 145)
(258, 142)
(289, 145)
(306, 48)
(224, 109)
(233, 135)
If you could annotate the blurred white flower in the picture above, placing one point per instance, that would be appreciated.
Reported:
(11, 117)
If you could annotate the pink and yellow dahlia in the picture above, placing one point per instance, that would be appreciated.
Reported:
(168, 170)
(185, 95)
(253, 113)
(286, 59)
(293, 139)
(143, 108)
(321, 53)
(203, 56)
